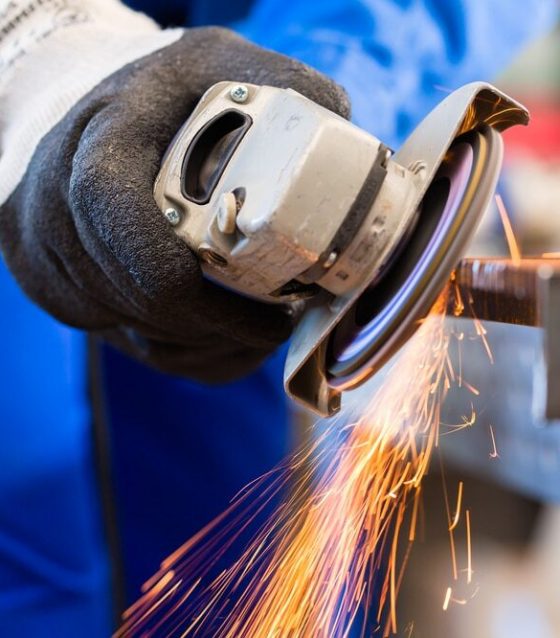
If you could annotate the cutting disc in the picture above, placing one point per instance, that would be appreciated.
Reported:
(387, 313)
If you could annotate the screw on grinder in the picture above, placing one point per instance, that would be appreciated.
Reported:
(284, 200)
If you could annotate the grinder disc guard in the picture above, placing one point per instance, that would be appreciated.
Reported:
(389, 311)
(456, 153)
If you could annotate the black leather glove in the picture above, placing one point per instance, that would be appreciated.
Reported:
(83, 235)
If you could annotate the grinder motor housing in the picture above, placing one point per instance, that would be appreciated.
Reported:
(284, 200)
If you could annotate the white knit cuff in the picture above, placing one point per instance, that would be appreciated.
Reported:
(53, 52)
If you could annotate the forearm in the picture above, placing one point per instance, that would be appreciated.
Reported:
(53, 52)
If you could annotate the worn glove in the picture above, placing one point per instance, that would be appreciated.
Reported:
(84, 238)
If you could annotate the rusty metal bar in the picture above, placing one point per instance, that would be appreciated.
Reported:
(497, 289)
(525, 292)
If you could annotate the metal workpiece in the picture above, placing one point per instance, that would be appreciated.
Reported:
(522, 451)
(547, 381)
(525, 292)
(505, 290)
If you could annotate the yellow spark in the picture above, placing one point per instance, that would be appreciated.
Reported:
(347, 494)
(508, 230)
(458, 507)
(468, 422)
(414, 519)
(471, 388)
(482, 332)
(459, 601)
(458, 306)
(447, 598)
(469, 548)
(449, 527)
(494, 454)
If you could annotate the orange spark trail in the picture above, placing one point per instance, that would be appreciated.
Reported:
(331, 545)
(458, 507)
(471, 388)
(508, 230)
(494, 454)
(469, 547)
(447, 598)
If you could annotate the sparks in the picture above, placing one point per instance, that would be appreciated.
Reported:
(447, 598)
(313, 567)
(331, 548)
(469, 547)
(471, 388)
(482, 332)
(494, 453)
(455, 571)
(508, 230)
(458, 508)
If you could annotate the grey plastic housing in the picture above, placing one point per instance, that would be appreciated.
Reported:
(293, 180)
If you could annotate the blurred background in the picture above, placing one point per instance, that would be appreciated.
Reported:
(512, 497)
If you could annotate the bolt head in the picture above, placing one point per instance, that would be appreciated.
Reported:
(239, 93)
(173, 216)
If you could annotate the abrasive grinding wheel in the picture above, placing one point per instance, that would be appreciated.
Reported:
(389, 311)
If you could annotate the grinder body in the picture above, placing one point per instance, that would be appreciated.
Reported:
(284, 200)
(279, 196)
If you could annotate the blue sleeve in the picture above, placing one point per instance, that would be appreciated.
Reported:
(398, 58)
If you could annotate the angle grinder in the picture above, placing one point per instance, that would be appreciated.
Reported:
(283, 200)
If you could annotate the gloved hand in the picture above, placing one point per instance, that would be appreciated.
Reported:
(84, 238)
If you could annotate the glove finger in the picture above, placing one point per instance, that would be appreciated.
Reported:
(117, 218)
(126, 234)
(42, 247)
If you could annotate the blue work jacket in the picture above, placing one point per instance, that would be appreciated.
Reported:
(107, 466)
